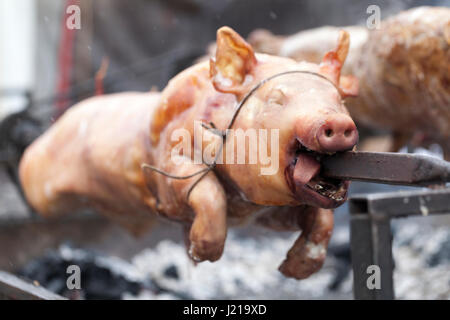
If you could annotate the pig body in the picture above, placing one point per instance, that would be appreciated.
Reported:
(93, 155)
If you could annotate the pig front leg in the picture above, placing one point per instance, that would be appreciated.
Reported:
(208, 202)
(209, 229)
(309, 251)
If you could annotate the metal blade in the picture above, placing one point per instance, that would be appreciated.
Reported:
(387, 167)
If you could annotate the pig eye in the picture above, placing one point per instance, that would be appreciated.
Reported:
(276, 96)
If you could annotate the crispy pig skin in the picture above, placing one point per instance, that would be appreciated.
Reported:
(92, 155)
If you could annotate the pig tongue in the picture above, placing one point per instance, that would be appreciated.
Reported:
(305, 169)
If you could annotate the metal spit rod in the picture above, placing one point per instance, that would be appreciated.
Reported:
(387, 168)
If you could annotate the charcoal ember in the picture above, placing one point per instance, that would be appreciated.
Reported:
(97, 280)
(102, 283)
(172, 272)
(441, 255)
(45, 271)
(342, 265)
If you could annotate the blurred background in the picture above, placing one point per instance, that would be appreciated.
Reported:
(45, 68)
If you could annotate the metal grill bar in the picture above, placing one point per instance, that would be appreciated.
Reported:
(371, 237)
(13, 288)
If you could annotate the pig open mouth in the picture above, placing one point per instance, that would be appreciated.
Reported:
(304, 178)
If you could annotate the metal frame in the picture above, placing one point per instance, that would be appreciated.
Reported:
(13, 288)
(371, 237)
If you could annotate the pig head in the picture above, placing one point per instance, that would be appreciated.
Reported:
(295, 117)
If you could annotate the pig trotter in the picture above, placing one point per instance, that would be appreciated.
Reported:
(209, 229)
(309, 251)
(208, 201)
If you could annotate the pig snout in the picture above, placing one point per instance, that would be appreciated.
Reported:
(338, 133)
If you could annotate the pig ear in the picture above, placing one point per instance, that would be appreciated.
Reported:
(333, 62)
(349, 86)
(235, 59)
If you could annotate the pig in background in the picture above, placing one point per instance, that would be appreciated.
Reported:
(403, 68)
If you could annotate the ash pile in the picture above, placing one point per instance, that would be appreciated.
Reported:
(248, 269)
